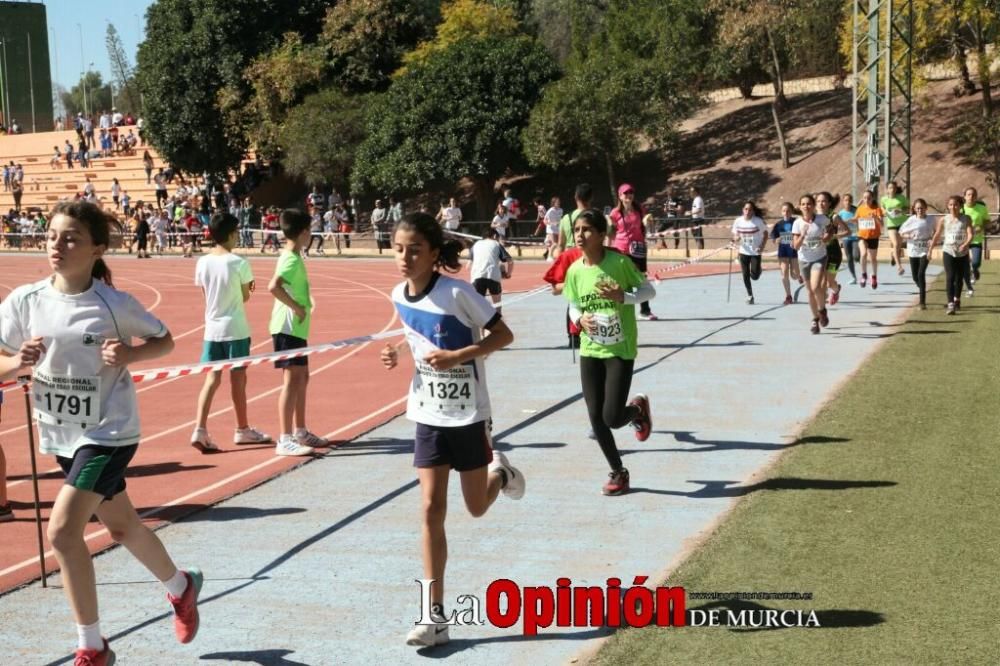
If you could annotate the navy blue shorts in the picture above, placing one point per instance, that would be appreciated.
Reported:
(463, 448)
(787, 252)
(285, 342)
(99, 469)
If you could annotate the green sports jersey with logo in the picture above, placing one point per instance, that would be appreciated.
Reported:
(897, 209)
(617, 332)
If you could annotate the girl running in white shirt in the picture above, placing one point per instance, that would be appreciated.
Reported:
(918, 231)
(809, 238)
(443, 317)
(750, 234)
(75, 331)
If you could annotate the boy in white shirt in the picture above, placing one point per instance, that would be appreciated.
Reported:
(227, 282)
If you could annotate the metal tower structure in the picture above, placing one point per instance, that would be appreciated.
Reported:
(883, 99)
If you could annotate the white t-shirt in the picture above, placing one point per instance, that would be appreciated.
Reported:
(552, 217)
(921, 230)
(751, 234)
(448, 315)
(78, 400)
(954, 235)
(222, 276)
(452, 217)
(500, 223)
(813, 248)
(698, 207)
(487, 255)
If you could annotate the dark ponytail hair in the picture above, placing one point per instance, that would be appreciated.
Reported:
(757, 212)
(449, 249)
(98, 225)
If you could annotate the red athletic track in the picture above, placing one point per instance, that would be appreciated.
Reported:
(349, 392)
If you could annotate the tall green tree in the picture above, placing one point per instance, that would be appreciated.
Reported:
(90, 95)
(458, 114)
(128, 94)
(320, 136)
(193, 50)
(629, 86)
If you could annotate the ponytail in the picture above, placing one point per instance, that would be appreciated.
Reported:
(101, 271)
(98, 224)
(449, 250)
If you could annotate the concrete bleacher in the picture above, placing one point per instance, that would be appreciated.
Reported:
(45, 185)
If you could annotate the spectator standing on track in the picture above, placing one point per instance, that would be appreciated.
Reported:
(697, 214)
(227, 283)
(74, 330)
(380, 226)
(552, 217)
(602, 288)
(161, 188)
(289, 328)
(448, 397)
(315, 230)
(513, 207)
(501, 222)
(451, 216)
(395, 212)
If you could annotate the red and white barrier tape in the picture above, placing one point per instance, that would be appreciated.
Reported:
(171, 372)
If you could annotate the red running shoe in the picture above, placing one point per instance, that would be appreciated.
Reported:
(644, 424)
(186, 618)
(617, 483)
(874, 282)
(824, 321)
(105, 657)
(835, 296)
(788, 300)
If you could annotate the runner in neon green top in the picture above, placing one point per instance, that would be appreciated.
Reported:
(980, 216)
(583, 194)
(897, 210)
(603, 287)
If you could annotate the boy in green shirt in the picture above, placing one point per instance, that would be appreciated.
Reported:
(289, 330)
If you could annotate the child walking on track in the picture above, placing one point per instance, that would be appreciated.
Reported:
(442, 318)
(75, 331)
(490, 264)
(227, 283)
(289, 328)
(603, 288)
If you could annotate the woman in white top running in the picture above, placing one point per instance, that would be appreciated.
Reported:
(809, 238)
(956, 229)
(750, 235)
(75, 331)
(500, 222)
(918, 230)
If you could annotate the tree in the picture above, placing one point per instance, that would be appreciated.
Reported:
(90, 95)
(458, 114)
(320, 136)
(628, 87)
(128, 95)
(464, 19)
(192, 62)
(366, 39)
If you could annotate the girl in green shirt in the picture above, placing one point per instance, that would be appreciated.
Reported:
(897, 210)
(603, 287)
(980, 216)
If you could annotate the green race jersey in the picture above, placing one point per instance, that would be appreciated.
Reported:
(292, 270)
(980, 216)
(566, 226)
(896, 208)
(617, 333)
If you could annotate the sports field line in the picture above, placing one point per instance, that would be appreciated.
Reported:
(218, 484)
(225, 410)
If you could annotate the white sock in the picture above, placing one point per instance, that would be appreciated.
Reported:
(176, 584)
(285, 435)
(88, 636)
(300, 432)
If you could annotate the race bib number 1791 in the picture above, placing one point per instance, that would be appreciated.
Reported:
(66, 399)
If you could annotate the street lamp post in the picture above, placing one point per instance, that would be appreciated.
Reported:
(83, 75)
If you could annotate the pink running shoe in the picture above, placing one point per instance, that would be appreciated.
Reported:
(186, 617)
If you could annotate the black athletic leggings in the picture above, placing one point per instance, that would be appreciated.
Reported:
(606, 382)
(750, 265)
(954, 269)
(918, 269)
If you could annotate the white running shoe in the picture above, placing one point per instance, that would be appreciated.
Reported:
(201, 441)
(288, 446)
(250, 435)
(428, 635)
(514, 488)
(306, 438)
